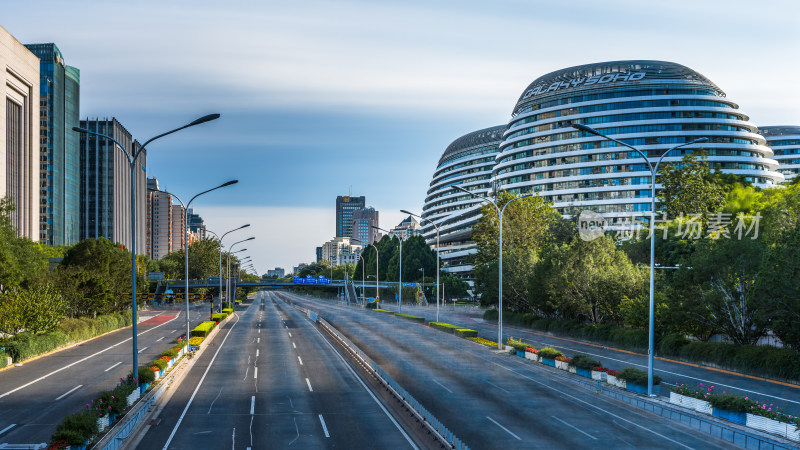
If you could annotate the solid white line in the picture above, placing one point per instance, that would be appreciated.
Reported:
(324, 428)
(309, 385)
(8, 428)
(301, 361)
(294, 345)
(252, 405)
(143, 349)
(504, 428)
(69, 392)
(115, 365)
(574, 428)
(200, 383)
(445, 387)
(255, 372)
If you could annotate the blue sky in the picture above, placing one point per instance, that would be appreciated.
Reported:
(319, 96)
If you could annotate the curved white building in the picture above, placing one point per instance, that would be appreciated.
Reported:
(652, 105)
(467, 162)
(785, 142)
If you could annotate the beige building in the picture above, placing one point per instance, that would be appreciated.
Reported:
(339, 250)
(159, 221)
(178, 226)
(19, 133)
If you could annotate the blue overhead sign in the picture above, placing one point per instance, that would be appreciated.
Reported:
(409, 284)
(311, 280)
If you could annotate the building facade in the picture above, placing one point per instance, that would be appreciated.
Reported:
(407, 228)
(106, 185)
(340, 250)
(197, 226)
(19, 134)
(159, 221)
(178, 228)
(651, 105)
(785, 142)
(345, 206)
(467, 162)
(361, 226)
(59, 178)
(278, 272)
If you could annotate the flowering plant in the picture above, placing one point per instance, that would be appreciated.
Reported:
(600, 369)
(155, 368)
(483, 341)
(531, 350)
(700, 392)
(611, 373)
(563, 358)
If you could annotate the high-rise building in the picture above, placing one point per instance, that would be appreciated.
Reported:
(178, 227)
(59, 178)
(361, 226)
(785, 142)
(19, 141)
(340, 250)
(196, 225)
(319, 254)
(106, 185)
(159, 221)
(345, 206)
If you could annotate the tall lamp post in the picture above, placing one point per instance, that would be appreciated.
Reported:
(229, 282)
(220, 258)
(653, 170)
(500, 212)
(228, 264)
(363, 263)
(132, 164)
(400, 277)
(437, 258)
(186, 240)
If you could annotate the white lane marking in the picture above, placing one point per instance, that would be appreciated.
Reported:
(8, 428)
(504, 428)
(259, 332)
(255, 372)
(294, 345)
(69, 392)
(143, 349)
(159, 339)
(498, 387)
(115, 365)
(301, 361)
(252, 405)
(574, 427)
(247, 370)
(233, 439)
(324, 428)
(309, 385)
(290, 334)
(258, 340)
(256, 353)
(445, 387)
(199, 384)
(215, 400)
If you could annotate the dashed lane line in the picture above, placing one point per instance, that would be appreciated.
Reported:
(115, 365)
(324, 427)
(504, 428)
(69, 392)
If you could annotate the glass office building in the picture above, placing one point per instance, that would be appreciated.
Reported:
(651, 105)
(785, 142)
(59, 182)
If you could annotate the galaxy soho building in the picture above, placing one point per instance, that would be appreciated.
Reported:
(651, 105)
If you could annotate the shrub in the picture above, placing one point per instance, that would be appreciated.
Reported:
(466, 332)
(227, 310)
(3, 359)
(26, 345)
(417, 319)
(490, 314)
(700, 392)
(518, 345)
(384, 311)
(196, 341)
(160, 363)
(171, 352)
(219, 317)
(146, 375)
(549, 353)
(636, 376)
(730, 402)
(203, 329)
(180, 343)
(583, 362)
(483, 341)
(76, 428)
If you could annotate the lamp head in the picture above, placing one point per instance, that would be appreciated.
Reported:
(582, 127)
(80, 130)
(229, 183)
(204, 119)
(697, 141)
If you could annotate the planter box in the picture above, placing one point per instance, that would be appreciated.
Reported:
(571, 369)
(131, 399)
(143, 387)
(612, 380)
(584, 372)
(520, 353)
(601, 376)
(509, 348)
(733, 416)
(102, 423)
(636, 388)
(531, 356)
(690, 402)
(549, 362)
(773, 426)
(561, 365)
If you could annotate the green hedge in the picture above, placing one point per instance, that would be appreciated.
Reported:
(219, 317)
(146, 375)
(466, 332)
(76, 428)
(454, 329)
(636, 376)
(549, 353)
(417, 319)
(3, 359)
(227, 310)
(203, 329)
(372, 305)
(583, 362)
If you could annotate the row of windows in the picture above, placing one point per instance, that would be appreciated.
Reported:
(484, 151)
(464, 172)
(468, 163)
(785, 142)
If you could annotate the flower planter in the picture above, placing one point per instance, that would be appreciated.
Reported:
(132, 397)
(509, 348)
(584, 372)
(773, 426)
(571, 369)
(143, 387)
(531, 356)
(102, 423)
(639, 389)
(520, 353)
(733, 416)
(112, 417)
(563, 365)
(612, 380)
(600, 376)
(549, 362)
(690, 402)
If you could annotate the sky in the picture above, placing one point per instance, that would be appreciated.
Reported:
(320, 98)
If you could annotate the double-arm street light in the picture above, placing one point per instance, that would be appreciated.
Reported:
(437, 257)
(228, 265)
(653, 170)
(186, 239)
(500, 212)
(132, 163)
(220, 258)
(400, 278)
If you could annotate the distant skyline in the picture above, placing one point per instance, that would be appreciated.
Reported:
(318, 96)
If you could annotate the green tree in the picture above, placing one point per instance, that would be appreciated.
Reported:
(203, 261)
(689, 187)
(454, 287)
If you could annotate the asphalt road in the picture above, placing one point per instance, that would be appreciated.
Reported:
(271, 380)
(783, 395)
(493, 400)
(35, 397)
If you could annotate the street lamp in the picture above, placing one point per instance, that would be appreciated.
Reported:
(500, 212)
(132, 164)
(186, 239)
(653, 170)
(400, 277)
(220, 258)
(363, 263)
(228, 279)
(228, 265)
(437, 258)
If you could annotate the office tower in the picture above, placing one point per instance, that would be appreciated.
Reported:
(361, 226)
(160, 219)
(345, 206)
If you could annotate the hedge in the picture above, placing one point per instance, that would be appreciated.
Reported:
(204, 328)
(466, 332)
(417, 319)
(3, 359)
(636, 376)
(759, 360)
(146, 375)
(227, 310)
(76, 428)
(454, 329)
(219, 317)
(583, 362)
(372, 305)
(549, 353)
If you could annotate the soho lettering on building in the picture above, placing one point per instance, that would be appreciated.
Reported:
(586, 81)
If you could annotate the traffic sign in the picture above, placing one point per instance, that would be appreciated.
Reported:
(155, 276)
(409, 284)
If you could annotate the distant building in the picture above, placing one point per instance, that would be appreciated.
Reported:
(159, 231)
(19, 133)
(60, 176)
(298, 268)
(278, 272)
(319, 254)
(344, 213)
(106, 185)
(196, 225)
(178, 242)
(407, 228)
(361, 226)
(785, 142)
(340, 250)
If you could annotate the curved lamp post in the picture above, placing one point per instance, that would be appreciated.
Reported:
(400, 277)
(228, 264)
(653, 170)
(437, 258)
(186, 239)
(132, 164)
(220, 258)
(500, 212)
